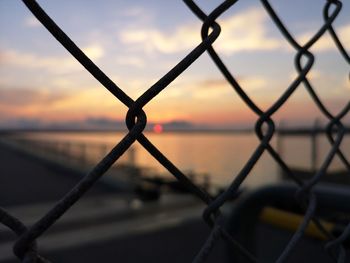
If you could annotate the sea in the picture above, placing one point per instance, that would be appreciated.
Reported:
(219, 155)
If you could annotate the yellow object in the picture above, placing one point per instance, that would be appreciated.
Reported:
(291, 221)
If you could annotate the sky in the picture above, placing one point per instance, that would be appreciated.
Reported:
(136, 42)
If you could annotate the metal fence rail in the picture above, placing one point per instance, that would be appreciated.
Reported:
(26, 248)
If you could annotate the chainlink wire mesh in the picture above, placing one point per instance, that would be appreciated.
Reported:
(26, 249)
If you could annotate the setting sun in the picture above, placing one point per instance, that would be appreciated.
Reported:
(158, 128)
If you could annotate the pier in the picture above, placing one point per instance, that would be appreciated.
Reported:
(105, 218)
(339, 176)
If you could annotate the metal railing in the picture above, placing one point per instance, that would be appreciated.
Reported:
(26, 248)
(83, 154)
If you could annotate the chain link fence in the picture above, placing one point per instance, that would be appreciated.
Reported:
(26, 249)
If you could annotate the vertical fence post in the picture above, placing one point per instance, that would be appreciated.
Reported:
(314, 146)
(103, 150)
(83, 154)
(279, 145)
(132, 156)
(68, 152)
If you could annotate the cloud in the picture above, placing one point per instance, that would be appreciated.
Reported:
(56, 64)
(131, 61)
(138, 13)
(17, 97)
(31, 21)
(212, 83)
(88, 101)
(216, 88)
(325, 43)
(253, 83)
(247, 83)
(235, 35)
(246, 32)
(56, 105)
(314, 74)
(94, 52)
(347, 83)
(154, 40)
(211, 89)
(59, 64)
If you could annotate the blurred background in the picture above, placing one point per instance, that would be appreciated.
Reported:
(57, 122)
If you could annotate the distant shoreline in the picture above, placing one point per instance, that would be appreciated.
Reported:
(10, 131)
(284, 131)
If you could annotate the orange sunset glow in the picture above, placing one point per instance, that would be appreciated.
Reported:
(40, 82)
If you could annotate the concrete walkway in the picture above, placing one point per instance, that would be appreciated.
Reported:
(26, 179)
(105, 225)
